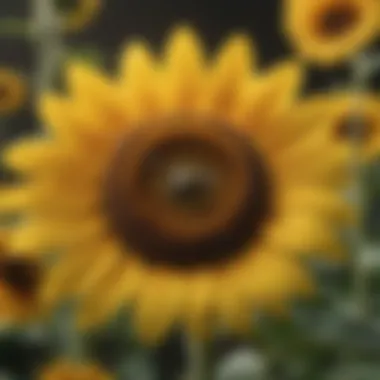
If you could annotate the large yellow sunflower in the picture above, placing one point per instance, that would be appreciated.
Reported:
(178, 188)
(329, 31)
(19, 280)
(348, 120)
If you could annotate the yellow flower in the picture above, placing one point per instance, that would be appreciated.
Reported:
(78, 14)
(178, 188)
(348, 119)
(329, 31)
(67, 370)
(12, 91)
(19, 279)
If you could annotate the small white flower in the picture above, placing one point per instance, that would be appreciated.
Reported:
(242, 364)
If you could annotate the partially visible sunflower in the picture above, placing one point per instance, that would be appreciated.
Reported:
(348, 119)
(12, 91)
(78, 14)
(179, 189)
(329, 31)
(65, 369)
(19, 279)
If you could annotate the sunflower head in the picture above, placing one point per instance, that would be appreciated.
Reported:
(177, 170)
(329, 31)
(182, 188)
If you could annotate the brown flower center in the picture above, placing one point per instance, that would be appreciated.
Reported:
(22, 276)
(349, 128)
(186, 192)
(337, 19)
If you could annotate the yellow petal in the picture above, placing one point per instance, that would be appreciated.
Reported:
(372, 151)
(38, 236)
(86, 82)
(282, 83)
(321, 203)
(137, 65)
(264, 102)
(31, 154)
(201, 310)
(314, 160)
(235, 311)
(184, 69)
(305, 235)
(91, 88)
(13, 199)
(156, 314)
(55, 112)
(233, 67)
(63, 278)
(274, 279)
(125, 285)
(141, 81)
(80, 125)
(108, 259)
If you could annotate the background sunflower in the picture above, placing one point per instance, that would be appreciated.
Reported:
(12, 91)
(329, 31)
(338, 112)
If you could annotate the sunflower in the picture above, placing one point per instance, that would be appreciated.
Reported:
(64, 369)
(347, 119)
(179, 188)
(78, 14)
(329, 31)
(12, 91)
(19, 278)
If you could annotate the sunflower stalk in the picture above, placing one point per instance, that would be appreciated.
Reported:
(47, 34)
(200, 366)
(362, 70)
(68, 336)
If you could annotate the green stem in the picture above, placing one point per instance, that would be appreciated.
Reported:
(73, 340)
(199, 361)
(362, 71)
(69, 341)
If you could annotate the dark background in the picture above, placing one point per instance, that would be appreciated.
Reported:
(121, 20)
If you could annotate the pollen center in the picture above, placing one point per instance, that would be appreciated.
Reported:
(186, 192)
(338, 19)
(360, 128)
